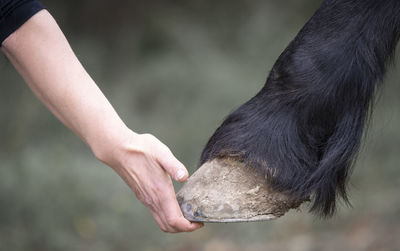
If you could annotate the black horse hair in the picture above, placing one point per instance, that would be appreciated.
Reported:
(303, 130)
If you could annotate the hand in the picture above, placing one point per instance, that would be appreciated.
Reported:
(146, 164)
(43, 57)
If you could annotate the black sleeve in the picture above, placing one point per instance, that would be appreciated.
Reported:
(14, 13)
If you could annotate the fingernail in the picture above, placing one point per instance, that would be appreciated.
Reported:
(180, 174)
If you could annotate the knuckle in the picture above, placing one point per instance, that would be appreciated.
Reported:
(166, 149)
(173, 222)
(148, 136)
(153, 144)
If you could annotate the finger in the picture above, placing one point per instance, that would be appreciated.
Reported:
(173, 214)
(160, 222)
(194, 225)
(183, 225)
(172, 165)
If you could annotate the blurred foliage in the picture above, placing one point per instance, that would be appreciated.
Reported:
(174, 69)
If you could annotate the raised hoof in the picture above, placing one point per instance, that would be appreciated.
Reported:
(223, 190)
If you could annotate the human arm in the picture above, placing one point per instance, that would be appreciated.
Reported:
(43, 57)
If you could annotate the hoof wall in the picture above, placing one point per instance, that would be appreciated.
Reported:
(224, 190)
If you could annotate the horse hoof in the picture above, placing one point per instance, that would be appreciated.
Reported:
(224, 190)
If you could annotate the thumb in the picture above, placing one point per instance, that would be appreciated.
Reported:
(172, 165)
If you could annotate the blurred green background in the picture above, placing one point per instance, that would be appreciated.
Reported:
(174, 69)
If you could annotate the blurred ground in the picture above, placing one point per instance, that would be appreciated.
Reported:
(174, 69)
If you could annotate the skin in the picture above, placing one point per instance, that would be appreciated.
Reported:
(43, 57)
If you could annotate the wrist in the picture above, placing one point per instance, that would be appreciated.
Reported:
(106, 147)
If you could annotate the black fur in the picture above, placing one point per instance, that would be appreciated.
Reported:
(303, 129)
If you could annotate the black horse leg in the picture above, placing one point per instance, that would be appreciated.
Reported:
(302, 131)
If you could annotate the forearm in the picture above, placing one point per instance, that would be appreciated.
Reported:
(43, 57)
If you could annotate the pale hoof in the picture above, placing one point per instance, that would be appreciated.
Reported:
(224, 190)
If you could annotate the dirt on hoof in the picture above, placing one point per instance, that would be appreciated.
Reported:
(225, 190)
